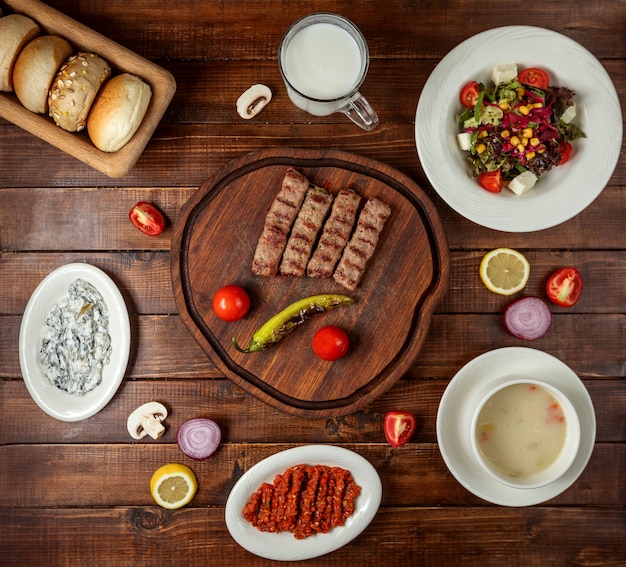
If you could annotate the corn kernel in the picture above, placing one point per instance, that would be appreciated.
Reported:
(505, 134)
(527, 133)
(515, 141)
(523, 110)
(504, 105)
(483, 134)
(530, 155)
(520, 148)
(537, 105)
(520, 91)
(541, 150)
(480, 148)
(534, 142)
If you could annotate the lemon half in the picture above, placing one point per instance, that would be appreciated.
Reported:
(504, 271)
(173, 485)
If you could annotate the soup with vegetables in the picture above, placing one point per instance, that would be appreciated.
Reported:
(521, 430)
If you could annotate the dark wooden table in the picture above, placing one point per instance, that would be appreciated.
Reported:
(77, 493)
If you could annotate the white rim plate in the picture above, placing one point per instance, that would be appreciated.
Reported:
(563, 192)
(471, 384)
(52, 400)
(283, 546)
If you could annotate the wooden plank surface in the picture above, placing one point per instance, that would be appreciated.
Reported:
(77, 493)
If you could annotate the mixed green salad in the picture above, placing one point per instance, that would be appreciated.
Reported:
(517, 129)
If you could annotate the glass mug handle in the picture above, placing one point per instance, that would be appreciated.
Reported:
(361, 113)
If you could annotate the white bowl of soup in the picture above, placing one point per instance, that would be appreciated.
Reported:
(525, 433)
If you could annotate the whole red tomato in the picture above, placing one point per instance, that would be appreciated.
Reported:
(147, 218)
(331, 343)
(231, 303)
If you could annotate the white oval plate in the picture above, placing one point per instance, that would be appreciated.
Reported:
(53, 288)
(471, 384)
(563, 192)
(283, 546)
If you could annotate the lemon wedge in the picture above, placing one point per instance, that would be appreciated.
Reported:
(173, 486)
(504, 271)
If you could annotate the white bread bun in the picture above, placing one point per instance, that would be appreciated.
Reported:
(118, 112)
(74, 89)
(35, 69)
(16, 31)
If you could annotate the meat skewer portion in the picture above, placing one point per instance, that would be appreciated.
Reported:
(335, 235)
(317, 202)
(278, 222)
(362, 244)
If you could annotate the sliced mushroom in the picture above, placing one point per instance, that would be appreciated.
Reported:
(255, 99)
(146, 420)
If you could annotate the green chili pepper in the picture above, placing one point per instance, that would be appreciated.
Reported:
(291, 317)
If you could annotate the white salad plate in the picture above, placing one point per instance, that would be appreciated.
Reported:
(468, 388)
(52, 400)
(563, 192)
(283, 546)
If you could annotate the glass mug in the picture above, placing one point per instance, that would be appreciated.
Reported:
(323, 59)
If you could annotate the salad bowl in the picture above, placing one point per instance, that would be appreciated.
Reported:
(563, 192)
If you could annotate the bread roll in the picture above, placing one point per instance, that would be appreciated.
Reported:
(118, 112)
(35, 69)
(16, 31)
(74, 89)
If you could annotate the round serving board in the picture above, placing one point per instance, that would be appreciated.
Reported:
(213, 245)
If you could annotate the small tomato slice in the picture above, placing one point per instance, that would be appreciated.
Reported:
(331, 343)
(231, 303)
(534, 77)
(565, 149)
(469, 94)
(564, 287)
(147, 218)
(399, 427)
(491, 180)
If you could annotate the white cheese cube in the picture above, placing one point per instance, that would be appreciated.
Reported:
(523, 182)
(504, 73)
(464, 141)
(569, 114)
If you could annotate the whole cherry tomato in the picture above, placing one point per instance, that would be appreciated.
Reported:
(565, 286)
(147, 218)
(331, 343)
(231, 303)
(399, 427)
(469, 94)
(534, 77)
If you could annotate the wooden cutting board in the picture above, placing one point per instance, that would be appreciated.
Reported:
(213, 245)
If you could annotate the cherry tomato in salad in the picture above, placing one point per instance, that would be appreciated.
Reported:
(491, 180)
(564, 287)
(231, 303)
(565, 150)
(534, 77)
(399, 427)
(469, 94)
(331, 343)
(147, 218)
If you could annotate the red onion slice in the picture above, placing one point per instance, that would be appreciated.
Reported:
(528, 318)
(199, 438)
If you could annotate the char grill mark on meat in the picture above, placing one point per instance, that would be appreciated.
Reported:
(317, 202)
(335, 235)
(362, 244)
(278, 222)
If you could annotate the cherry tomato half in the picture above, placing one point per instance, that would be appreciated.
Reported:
(147, 218)
(565, 286)
(491, 180)
(399, 427)
(534, 77)
(231, 303)
(469, 94)
(565, 149)
(331, 343)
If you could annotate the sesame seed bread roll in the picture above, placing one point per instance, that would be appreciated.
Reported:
(118, 111)
(35, 69)
(75, 88)
(16, 31)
